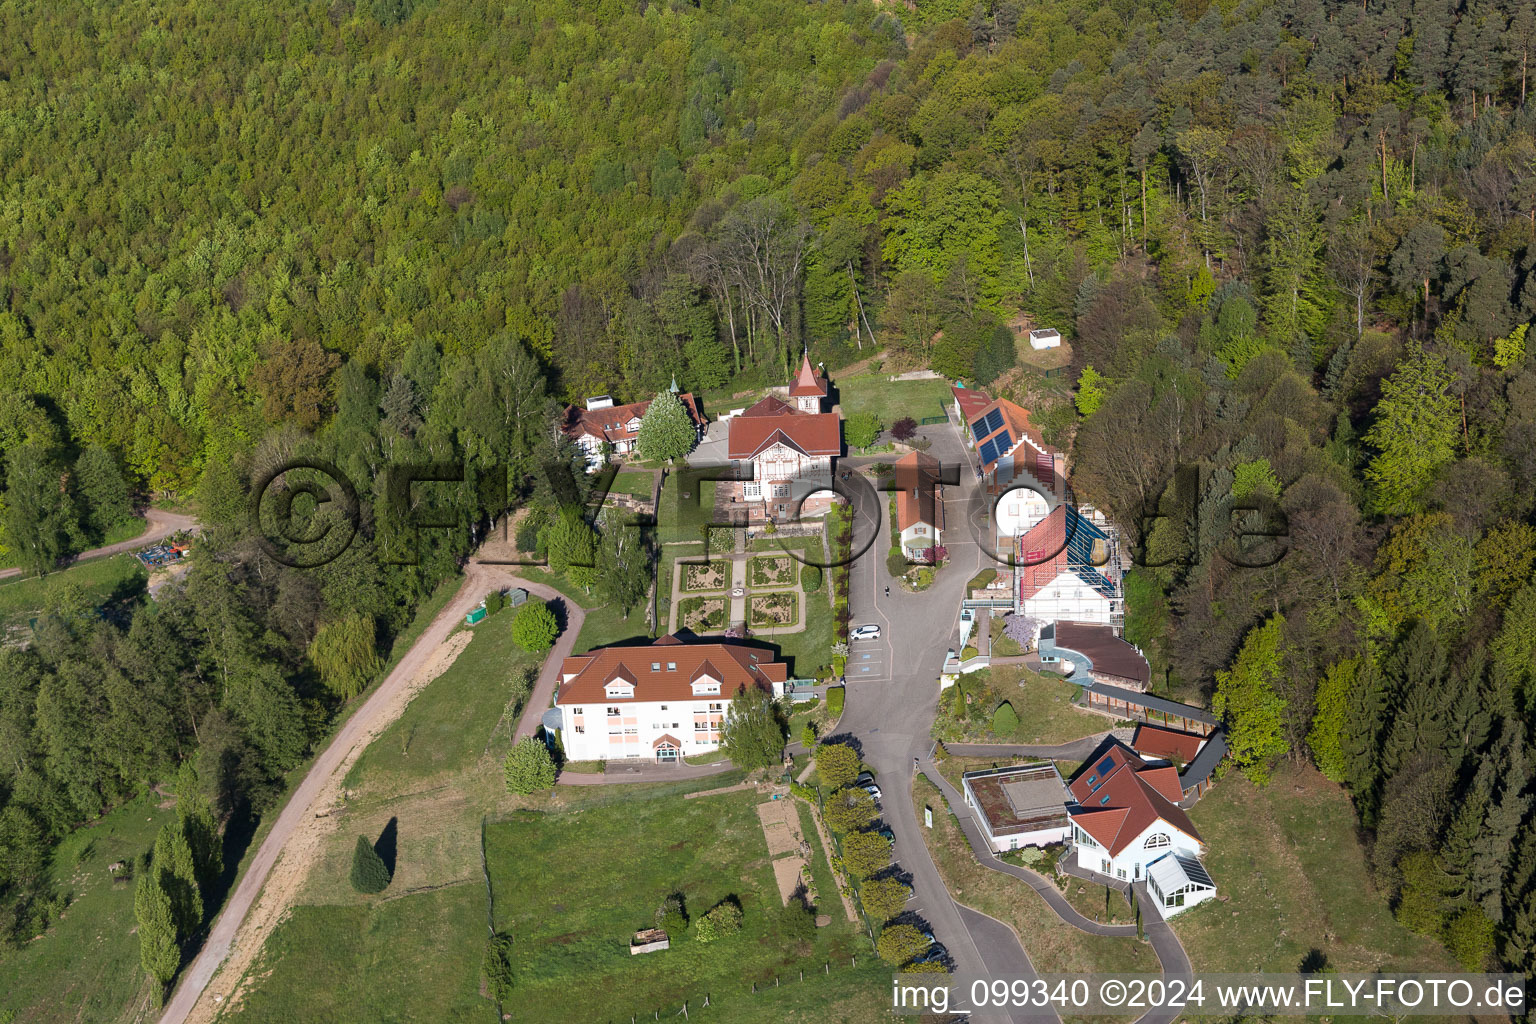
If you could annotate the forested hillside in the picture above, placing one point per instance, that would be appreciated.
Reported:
(1290, 242)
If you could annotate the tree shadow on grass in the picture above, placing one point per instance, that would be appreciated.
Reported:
(388, 844)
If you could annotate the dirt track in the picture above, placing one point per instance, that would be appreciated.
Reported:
(160, 525)
(276, 873)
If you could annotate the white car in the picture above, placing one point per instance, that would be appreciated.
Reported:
(870, 631)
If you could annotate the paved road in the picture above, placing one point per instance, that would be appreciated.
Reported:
(891, 717)
(478, 581)
(159, 525)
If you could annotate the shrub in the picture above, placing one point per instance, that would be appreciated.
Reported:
(1005, 720)
(904, 429)
(672, 915)
(369, 873)
(835, 702)
(528, 767)
(810, 578)
(805, 793)
(795, 922)
(900, 943)
(849, 810)
(862, 429)
(896, 562)
(808, 736)
(866, 853)
(837, 764)
(722, 920)
(494, 602)
(535, 627)
(883, 898)
(497, 966)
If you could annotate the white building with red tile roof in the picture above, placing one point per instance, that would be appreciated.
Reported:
(656, 702)
(1068, 568)
(1126, 821)
(790, 447)
(617, 425)
(919, 503)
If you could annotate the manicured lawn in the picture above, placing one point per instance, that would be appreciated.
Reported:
(86, 966)
(1043, 704)
(453, 723)
(891, 400)
(633, 482)
(101, 580)
(604, 624)
(809, 652)
(1053, 945)
(1291, 878)
(571, 948)
(1003, 646)
(416, 958)
(687, 503)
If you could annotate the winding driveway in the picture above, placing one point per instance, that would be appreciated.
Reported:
(159, 524)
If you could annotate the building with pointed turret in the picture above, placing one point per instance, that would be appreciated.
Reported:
(789, 447)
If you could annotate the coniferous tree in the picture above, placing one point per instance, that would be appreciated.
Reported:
(369, 872)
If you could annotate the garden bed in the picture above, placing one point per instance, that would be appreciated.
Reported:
(772, 571)
(701, 613)
(713, 576)
(774, 610)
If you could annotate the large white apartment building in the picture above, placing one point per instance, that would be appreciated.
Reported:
(659, 701)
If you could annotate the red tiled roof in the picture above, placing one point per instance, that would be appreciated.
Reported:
(971, 402)
(770, 406)
(611, 424)
(1159, 741)
(1016, 423)
(807, 381)
(811, 433)
(1043, 553)
(737, 666)
(1119, 797)
(918, 499)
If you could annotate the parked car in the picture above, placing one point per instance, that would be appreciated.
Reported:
(868, 631)
(864, 777)
(872, 789)
(885, 831)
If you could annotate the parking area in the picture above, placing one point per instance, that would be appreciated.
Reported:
(868, 659)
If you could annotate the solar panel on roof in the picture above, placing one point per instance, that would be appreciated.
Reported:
(1105, 765)
(1004, 441)
(988, 453)
(994, 420)
(979, 428)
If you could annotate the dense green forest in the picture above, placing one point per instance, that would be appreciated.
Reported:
(1291, 243)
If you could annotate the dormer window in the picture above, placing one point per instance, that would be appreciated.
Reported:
(619, 689)
(704, 686)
